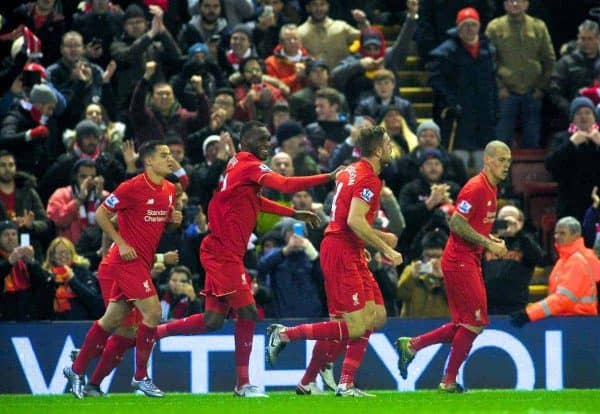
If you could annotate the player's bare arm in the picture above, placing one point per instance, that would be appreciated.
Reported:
(389, 238)
(461, 227)
(360, 226)
(103, 218)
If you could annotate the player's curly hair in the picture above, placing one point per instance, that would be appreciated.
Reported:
(369, 139)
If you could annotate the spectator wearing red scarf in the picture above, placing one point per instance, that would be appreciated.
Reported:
(27, 291)
(77, 295)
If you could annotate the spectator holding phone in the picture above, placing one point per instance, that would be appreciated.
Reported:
(507, 278)
(73, 208)
(421, 286)
(179, 298)
(27, 291)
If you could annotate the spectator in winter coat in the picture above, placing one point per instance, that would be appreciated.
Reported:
(77, 295)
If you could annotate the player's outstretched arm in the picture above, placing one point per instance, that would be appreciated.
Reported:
(292, 184)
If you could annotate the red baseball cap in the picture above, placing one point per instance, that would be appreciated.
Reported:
(468, 13)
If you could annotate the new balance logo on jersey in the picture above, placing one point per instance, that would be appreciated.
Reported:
(478, 315)
(464, 207)
(146, 285)
(264, 168)
(244, 279)
(355, 299)
(366, 195)
(150, 201)
(111, 201)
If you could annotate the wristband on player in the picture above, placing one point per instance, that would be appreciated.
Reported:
(159, 258)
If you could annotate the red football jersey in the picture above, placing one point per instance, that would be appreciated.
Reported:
(234, 208)
(477, 203)
(358, 180)
(143, 209)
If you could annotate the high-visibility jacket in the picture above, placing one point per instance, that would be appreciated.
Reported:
(571, 285)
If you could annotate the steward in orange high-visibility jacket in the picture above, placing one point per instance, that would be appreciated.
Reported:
(572, 282)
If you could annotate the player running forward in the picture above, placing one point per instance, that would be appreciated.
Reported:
(353, 297)
(470, 228)
(145, 204)
(232, 215)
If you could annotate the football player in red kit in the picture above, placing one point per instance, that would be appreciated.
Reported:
(232, 215)
(470, 228)
(144, 205)
(353, 296)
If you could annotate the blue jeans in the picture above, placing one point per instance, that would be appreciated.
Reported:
(529, 111)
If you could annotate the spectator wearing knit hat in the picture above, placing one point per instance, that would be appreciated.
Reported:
(523, 78)
(137, 46)
(401, 171)
(463, 78)
(29, 131)
(573, 159)
(199, 62)
(421, 197)
(87, 146)
(575, 70)
(302, 102)
(291, 139)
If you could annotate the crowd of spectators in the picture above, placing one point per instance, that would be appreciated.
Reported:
(82, 87)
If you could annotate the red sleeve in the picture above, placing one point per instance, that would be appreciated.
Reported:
(120, 198)
(272, 207)
(368, 191)
(292, 184)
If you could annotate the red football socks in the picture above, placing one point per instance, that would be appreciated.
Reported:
(355, 353)
(323, 353)
(461, 345)
(192, 325)
(244, 334)
(94, 342)
(443, 334)
(327, 331)
(144, 342)
(113, 353)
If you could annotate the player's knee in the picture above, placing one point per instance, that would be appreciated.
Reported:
(109, 323)
(356, 328)
(127, 332)
(379, 321)
(248, 312)
(152, 317)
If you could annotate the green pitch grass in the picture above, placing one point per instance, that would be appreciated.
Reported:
(475, 401)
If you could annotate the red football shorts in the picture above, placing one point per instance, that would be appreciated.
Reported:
(107, 281)
(465, 292)
(226, 285)
(344, 271)
(372, 290)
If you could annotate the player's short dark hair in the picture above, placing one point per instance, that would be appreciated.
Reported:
(249, 127)
(148, 148)
(434, 239)
(369, 139)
